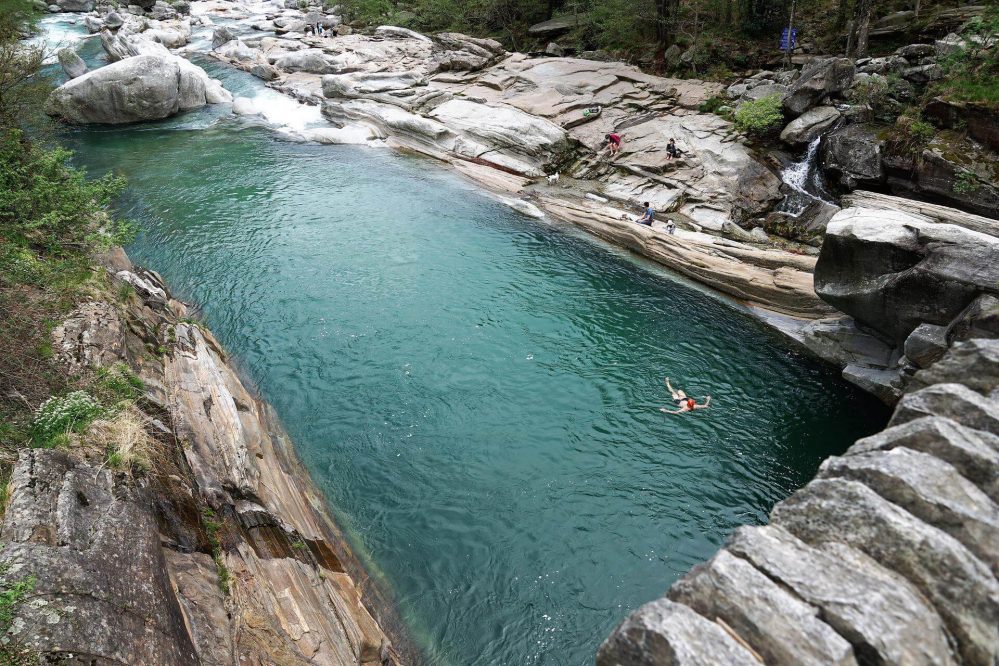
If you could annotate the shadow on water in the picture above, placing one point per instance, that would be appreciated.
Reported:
(477, 392)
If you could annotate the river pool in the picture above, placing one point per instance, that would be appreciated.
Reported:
(475, 391)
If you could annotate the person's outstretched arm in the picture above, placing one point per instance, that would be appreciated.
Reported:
(707, 403)
(671, 411)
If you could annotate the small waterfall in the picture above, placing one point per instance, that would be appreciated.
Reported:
(804, 179)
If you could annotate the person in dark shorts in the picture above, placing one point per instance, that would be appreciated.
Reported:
(612, 143)
(684, 402)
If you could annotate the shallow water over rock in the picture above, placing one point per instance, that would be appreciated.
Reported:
(477, 391)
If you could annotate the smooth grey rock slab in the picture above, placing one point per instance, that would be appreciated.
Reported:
(885, 383)
(954, 401)
(882, 615)
(101, 586)
(959, 585)
(783, 629)
(664, 633)
(809, 125)
(973, 453)
(929, 489)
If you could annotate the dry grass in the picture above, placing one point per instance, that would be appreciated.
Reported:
(126, 440)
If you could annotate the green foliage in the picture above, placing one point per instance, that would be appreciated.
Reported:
(760, 17)
(58, 416)
(761, 117)
(966, 183)
(973, 68)
(711, 105)
(21, 90)
(118, 383)
(47, 204)
(212, 527)
(922, 131)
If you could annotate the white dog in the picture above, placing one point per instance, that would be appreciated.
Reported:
(553, 179)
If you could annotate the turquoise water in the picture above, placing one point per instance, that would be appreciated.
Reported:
(476, 392)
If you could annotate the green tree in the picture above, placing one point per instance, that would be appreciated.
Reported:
(21, 88)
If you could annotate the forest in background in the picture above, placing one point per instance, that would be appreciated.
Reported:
(708, 38)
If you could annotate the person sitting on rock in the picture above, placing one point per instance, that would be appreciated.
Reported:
(649, 217)
(683, 401)
(612, 143)
(672, 152)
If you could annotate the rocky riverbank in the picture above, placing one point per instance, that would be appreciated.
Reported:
(888, 557)
(224, 554)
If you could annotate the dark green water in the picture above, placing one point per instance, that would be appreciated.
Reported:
(475, 391)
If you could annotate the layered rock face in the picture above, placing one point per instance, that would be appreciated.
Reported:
(224, 555)
(914, 278)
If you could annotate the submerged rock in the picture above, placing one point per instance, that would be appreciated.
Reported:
(140, 88)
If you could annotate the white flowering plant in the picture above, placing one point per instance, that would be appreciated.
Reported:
(58, 416)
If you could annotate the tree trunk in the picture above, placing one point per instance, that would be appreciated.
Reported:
(841, 11)
(864, 8)
(550, 11)
(666, 14)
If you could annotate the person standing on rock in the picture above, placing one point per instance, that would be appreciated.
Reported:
(684, 402)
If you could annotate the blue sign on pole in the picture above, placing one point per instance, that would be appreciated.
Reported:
(788, 42)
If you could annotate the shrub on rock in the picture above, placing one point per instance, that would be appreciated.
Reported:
(760, 117)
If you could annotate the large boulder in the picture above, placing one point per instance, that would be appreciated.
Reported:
(121, 45)
(313, 61)
(877, 611)
(851, 156)
(803, 129)
(973, 453)
(502, 129)
(75, 5)
(140, 88)
(893, 271)
(776, 623)
(553, 28)
(221, 35)
(819, 79)
(71, 63)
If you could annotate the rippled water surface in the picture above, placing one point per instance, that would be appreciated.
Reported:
(477, 392)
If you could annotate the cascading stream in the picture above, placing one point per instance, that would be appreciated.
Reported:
(476, 392)
(805, 180)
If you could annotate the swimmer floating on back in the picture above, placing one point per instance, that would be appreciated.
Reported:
(683, 401)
